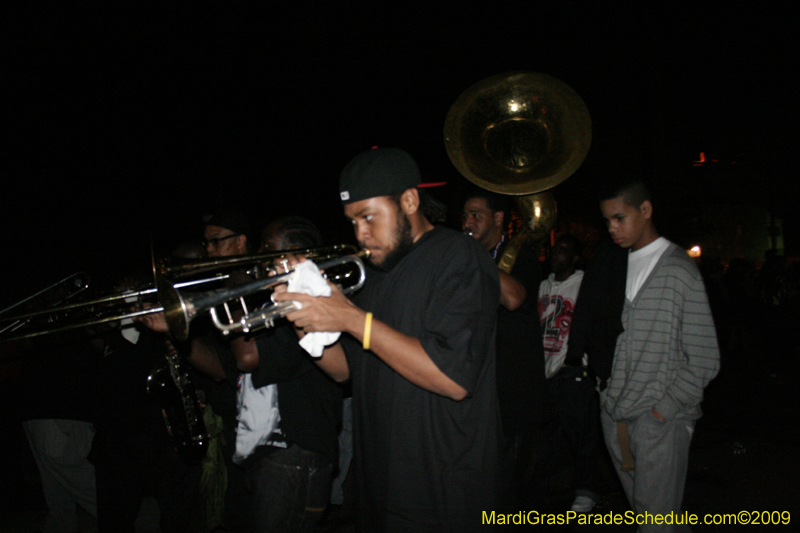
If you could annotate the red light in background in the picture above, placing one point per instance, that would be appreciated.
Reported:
(700, 162)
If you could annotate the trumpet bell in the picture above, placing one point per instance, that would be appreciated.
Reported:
(518, 133)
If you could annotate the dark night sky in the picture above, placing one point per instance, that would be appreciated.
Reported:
(130, 123)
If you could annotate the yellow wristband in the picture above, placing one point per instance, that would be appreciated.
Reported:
(367, 330)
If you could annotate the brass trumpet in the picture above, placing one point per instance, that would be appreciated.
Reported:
(180, 310)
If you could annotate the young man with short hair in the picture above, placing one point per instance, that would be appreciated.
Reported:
(663, 359)
(572, 413)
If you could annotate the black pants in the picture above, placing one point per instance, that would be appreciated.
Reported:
(572, 418)
(132, 467)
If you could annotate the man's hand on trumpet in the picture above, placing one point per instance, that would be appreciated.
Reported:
(285, 264)
(321, 313)
(317, 313)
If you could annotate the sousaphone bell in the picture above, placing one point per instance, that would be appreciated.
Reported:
(521, 134)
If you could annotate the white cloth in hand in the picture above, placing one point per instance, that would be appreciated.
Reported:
(130, 333)
(308, 280)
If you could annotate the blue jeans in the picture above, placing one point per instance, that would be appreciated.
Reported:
(288, 490)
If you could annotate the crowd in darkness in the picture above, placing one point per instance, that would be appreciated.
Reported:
(749, 298)
(107, 425)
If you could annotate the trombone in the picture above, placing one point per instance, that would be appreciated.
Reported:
(55, 294)
(172, 268)
(178, 305)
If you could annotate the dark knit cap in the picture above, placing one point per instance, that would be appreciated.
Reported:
(231, 219)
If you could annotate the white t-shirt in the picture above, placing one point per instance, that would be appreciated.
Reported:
(556, 306)
(641, 264)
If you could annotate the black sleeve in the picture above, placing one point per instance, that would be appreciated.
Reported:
(460, 315)
(528, 271)
(226, 360)
(280, 356)
(597, 322)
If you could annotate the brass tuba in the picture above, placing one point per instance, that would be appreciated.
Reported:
(519, 133)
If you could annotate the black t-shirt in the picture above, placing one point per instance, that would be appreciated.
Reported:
(130, 424)
(59, 379)
(221, 396)
(520, 353)
(310, 403)
(426, 462)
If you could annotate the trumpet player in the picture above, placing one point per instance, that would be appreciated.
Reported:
(285, 445)
(419, 349)
(289, 412)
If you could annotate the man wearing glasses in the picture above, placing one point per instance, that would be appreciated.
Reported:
(226, 234)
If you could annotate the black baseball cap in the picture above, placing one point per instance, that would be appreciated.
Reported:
(379, 172)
